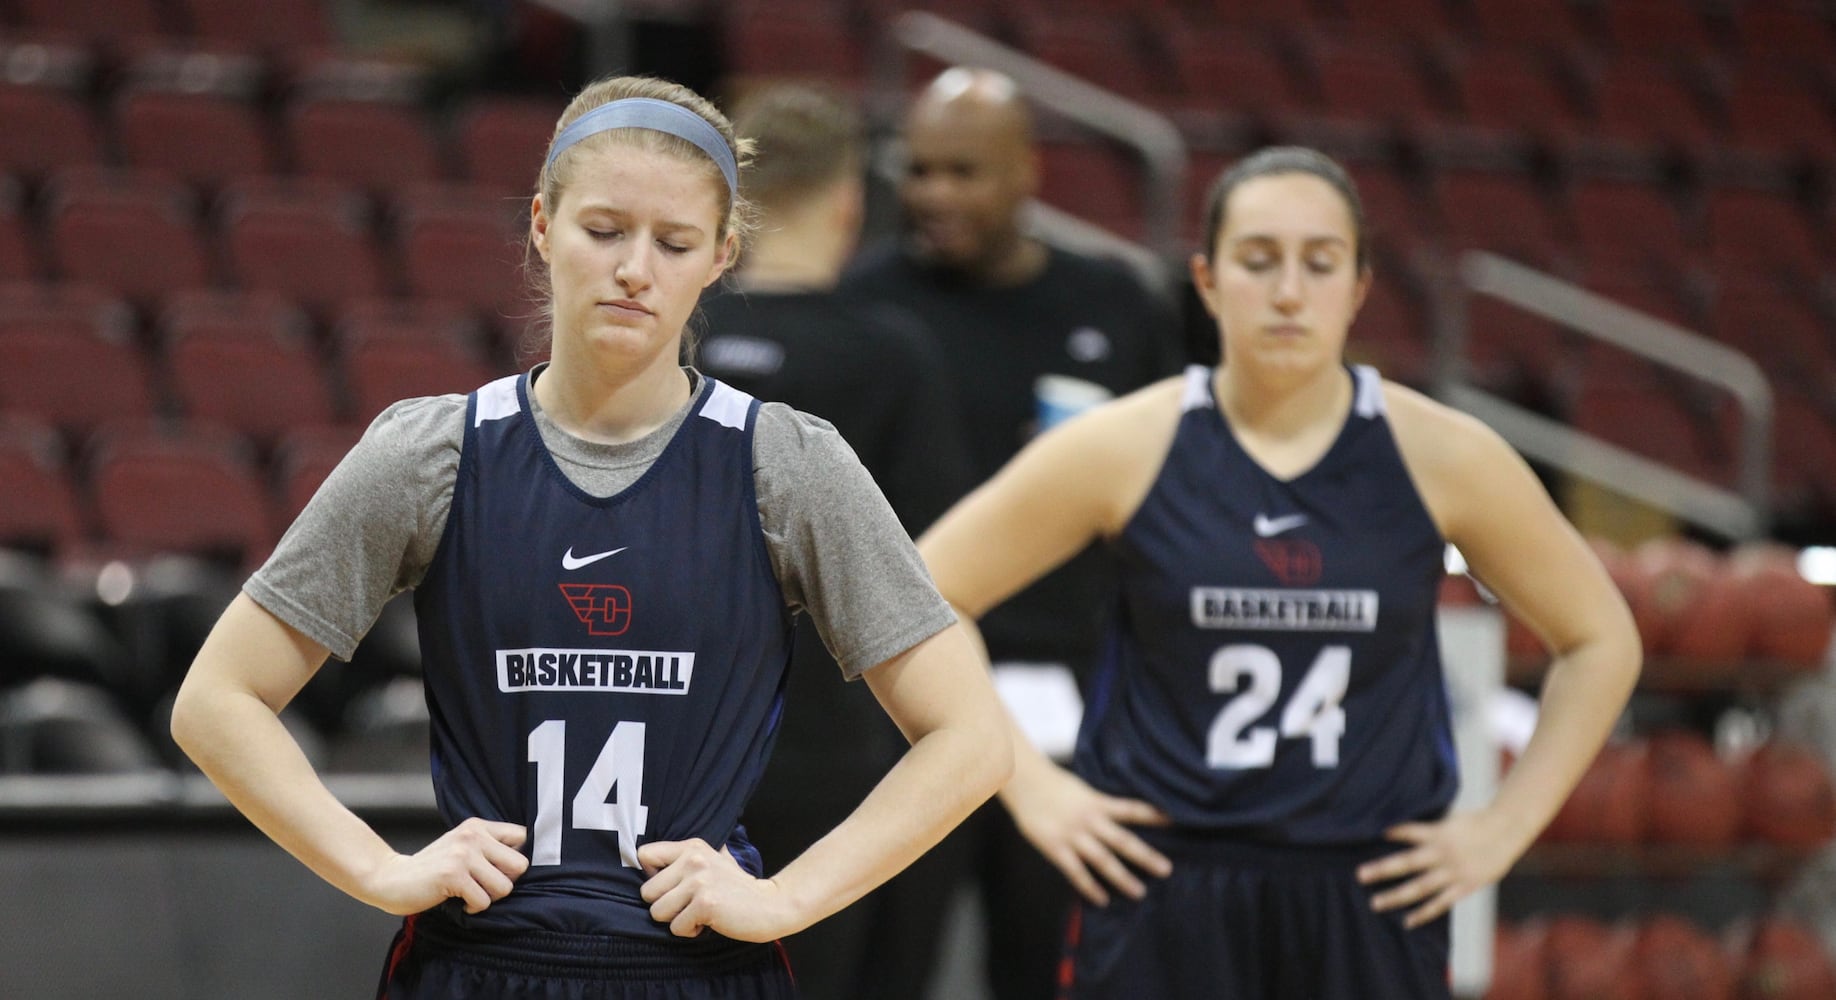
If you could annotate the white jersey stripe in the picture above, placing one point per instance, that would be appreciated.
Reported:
(1370, 391)
(1197, 395)
(497, 399)
(726, 406)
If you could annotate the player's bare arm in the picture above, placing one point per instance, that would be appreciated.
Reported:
(940, 696)
(1490, 505)
(1080, 482)
(226, 717)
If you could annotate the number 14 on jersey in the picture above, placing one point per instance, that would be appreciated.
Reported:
(618, 771)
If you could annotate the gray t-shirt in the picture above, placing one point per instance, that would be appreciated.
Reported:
(373, 527)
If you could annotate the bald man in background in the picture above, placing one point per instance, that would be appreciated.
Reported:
(1031, 333)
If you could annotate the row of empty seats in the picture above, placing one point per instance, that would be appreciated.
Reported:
(1192, 61)
(144, 235)
(71, 357)
(1794, 30)
(206, 137)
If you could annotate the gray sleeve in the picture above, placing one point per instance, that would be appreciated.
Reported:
(371, 530)
(838, 548)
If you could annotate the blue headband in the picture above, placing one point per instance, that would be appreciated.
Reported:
(657, 116)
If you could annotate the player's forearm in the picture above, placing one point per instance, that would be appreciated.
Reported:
(1583, 694)
(945, 775)
(241, 745)
(1030, 765)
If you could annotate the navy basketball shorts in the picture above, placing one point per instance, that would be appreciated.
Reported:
(431, 960)
(1253, 922)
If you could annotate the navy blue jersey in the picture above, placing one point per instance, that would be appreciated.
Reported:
(605, 671)
(1273, 672)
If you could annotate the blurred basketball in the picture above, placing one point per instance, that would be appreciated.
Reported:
(1695, 797)
(1789, 798)
(1609, 805)
(1518, 963)
(1587, 960)
(1673, 571)
(1709, 620)
(1791, 616)
(1636, 576)
(1786, 962)
(1677, 961)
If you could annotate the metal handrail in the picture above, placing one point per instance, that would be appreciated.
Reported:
(1741, 513)
(1152, 135)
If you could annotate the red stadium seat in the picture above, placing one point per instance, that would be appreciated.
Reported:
(1547, 24)
(1652, 290)
(67, 357)
(1215, 65)
(1622, 404)
(189, 488)
(1503, 213)
(1757, 229)
(1390, 334)
(414, 321)
(205, 138)
(802, 40)
(106, 21)
(1781, 113)
(1375, 81)
(131, 232)
(1771, 34)
(46, 129)
(19, 254)
(1393, 212)
(214, 341)
(381, 372)
(1803, 456)
(1103, 50)
(1095, 181)
(464, 245)
(1661, 28)
(501, 141)
(1644, 103)
(1505, 88)
(1626, 223)
(1785, 336)
(306, 238)
(269, 25)
(38, 507)
(1412, 20)
(375, 145)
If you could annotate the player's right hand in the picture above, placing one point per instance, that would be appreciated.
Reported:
(476, 861)
(1080, 830)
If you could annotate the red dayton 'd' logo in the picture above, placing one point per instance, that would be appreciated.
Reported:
(1295, 562)
(604, 608)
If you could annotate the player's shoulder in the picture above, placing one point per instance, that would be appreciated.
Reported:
(784, 432)
(419, 424)
(1436, 437)
(1141, 420)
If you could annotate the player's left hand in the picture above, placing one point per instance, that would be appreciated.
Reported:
(1445, 863)
(693, 887)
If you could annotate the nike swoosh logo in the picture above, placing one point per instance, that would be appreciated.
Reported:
(1268, 527)
(569, 562)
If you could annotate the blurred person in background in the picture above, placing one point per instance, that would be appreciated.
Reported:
(784, 333)
(1031, 333)
(1259, 802)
